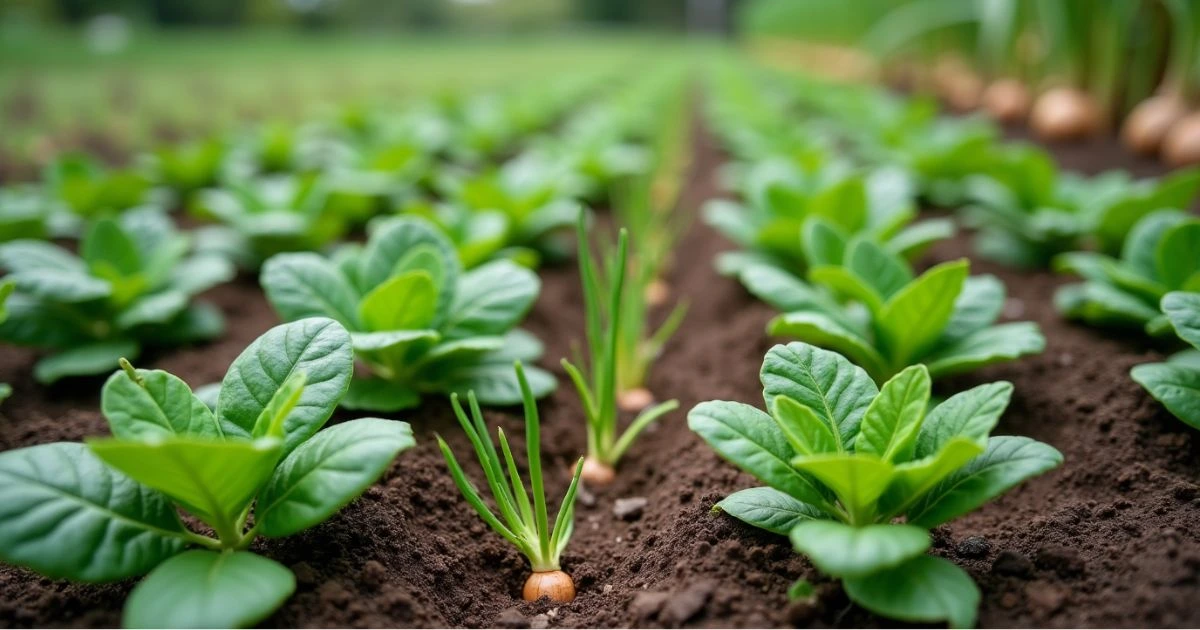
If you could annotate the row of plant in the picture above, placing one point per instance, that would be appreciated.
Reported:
(857, 463)
(422, 313)
(1071, 69)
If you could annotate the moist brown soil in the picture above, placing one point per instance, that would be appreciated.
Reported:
(1110, 539)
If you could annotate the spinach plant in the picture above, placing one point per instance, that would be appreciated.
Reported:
(27, 211)
(597, 385)
(843, 459)
(527, 526)
(1159, 256)
(886, 319)
(106, 510)
(782, 199)
(90, 190)
(417, 320)
(131, 285)
(1176, 382)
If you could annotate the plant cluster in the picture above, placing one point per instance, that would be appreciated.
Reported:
(259, 465)
(1176, 382)
(842, 460)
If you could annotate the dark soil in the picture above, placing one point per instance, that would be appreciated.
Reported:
(1110, 539)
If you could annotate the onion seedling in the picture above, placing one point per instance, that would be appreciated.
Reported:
(603, 296)
(1176, 382)
(525, 525)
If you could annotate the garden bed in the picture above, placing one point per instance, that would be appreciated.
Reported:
(1109, 539)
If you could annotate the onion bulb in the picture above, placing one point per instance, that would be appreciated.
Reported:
(597, 473)
(1006, 100)
(657, 293)
(634, 400)
(556, 585)
(1147, 125)
(963, 91)
(1181, 147)
(1065, 113)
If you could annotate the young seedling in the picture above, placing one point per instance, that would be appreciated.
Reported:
(106, 510)
(417, 320)
(842, 460)
(891, 320)
(1158, 257)
(603, 294)
(92, 191)
(525, 525)
(1176, 382)
(131, 285)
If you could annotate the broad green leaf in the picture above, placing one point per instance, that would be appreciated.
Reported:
(990, 345)
(913, 241)
(1008, 460)
(64, 514)
(156, 308)
(882, 270)
(1177, 387)
(808, 433)
(200, 273)
(26, 255)
(837, 390)
(403, 302)
(213, 479)
(327, 472)
(106, 245)
(318, 347)
(846, 551)
(209, 589)
(977, 307)
(913, 479)
(890, 425)
(1101, 304)
(1183, 310)
(844, 204)
(307, 285)
(84, 360)
(750, 439)
(490, 300)
(857, 480)
(925, 589)
(846, 283)
(823, 243)
(915, 317)
(452, 353)
(783, 290)
(767, 508)
(1140, 249)
(33, 322)
(283, 401)
(971, 414)
(153, 403)
(826, 332)
(1178, 255)
(494, 383)
(729, 218)
(61, 286)
(403, 244)
(376, 394)
(393, 341)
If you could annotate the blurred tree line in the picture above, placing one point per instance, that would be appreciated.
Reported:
(423, 14)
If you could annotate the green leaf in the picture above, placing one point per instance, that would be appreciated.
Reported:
(28, 255)
(106, 245)
(767, 508)
(1177, 387)
(153, 403)
(1139, 252)
(990, 345)
(327, 472)
(915, 317)
(1176, 258)
(837, 390)
(64, 514)
(1008, 460)
(283, 401)
(156, 308)
(882, 270)
(306, 285)
(847, 284)
(209, 589)
(201, 273)
(215, 480)
(913, 479)
(914, 240)
(971, 414)
(808, 433)
(60, 286)
(318, 347)
(890, 425)
(783, 290)
(411, 244)
(1183, 310)
(393, 341)
(977, 307)
(494, 383)
(845, 551)
(84, 360)
(750, 440)
(925, 589)
(857, 480)
(490, 300)
(403, 302)
(376, 394)
(823, 243)
(1101, 304)
(843, 204)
